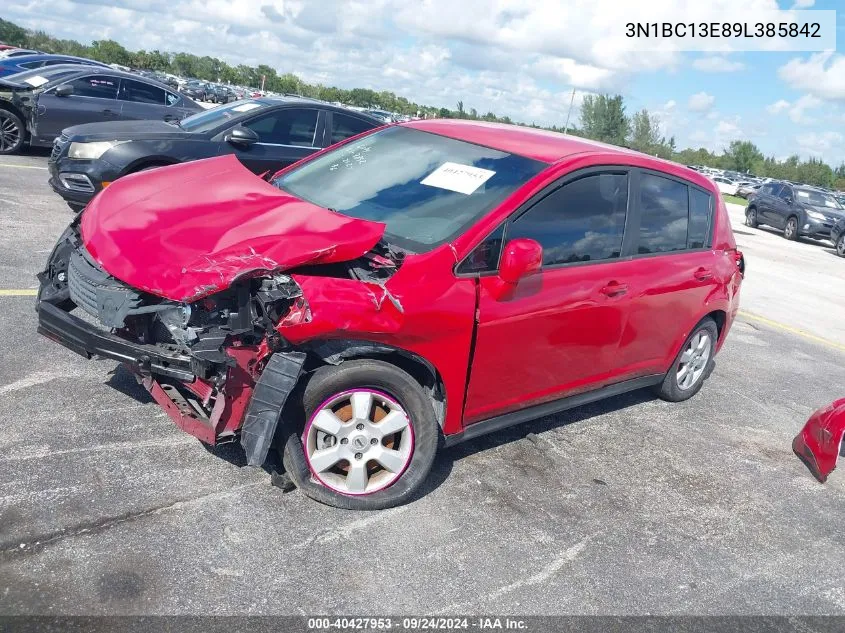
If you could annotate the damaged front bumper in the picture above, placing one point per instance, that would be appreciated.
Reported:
(819, 443)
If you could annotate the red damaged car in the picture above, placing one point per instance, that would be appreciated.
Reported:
(410, 288)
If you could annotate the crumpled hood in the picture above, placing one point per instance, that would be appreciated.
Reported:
(189, 230)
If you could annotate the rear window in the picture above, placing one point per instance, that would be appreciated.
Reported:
(426, 188)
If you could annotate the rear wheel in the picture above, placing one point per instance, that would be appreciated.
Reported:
(12, 132)
(692, 365)
(840, 245)
(751, 217)
(369, 438)
(790, 231)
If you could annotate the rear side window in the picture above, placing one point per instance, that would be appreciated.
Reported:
(664, 212)
(700, 212)
(344, 126)
(139, 92)
(582, 221)
(95, 86)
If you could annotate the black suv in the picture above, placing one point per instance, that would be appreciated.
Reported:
(266, 134)
(797, 210)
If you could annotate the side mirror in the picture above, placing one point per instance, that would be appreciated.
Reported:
(520, 258)
(788, 200)
(65, 90)
(242, 136)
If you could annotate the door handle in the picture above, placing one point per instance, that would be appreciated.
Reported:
(702, 274)
(614, 289)
(108, 112)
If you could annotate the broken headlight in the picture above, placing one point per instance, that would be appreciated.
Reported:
(281, 301)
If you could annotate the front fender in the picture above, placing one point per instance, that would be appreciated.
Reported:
(819, 443)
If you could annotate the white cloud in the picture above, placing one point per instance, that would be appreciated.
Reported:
(819, 143)
(778, 106)
(803, 4)
(717, 64)
(700, 102)
(821, 74)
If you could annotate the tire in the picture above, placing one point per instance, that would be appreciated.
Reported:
(76, 207)
(751, 217)
(674, 387)
(790, 231)
(840, 245)
(12, 132)
(337, 482)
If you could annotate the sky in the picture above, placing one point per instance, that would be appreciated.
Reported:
(521, 58)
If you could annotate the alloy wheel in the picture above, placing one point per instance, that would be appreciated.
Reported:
(791, 227)
(10, 133)
(750, 217)
(358, 442)
(693, 361)
(840, 245)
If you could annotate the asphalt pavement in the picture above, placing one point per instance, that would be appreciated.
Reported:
(628, 506)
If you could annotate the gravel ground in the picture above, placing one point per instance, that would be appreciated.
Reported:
(629, 506)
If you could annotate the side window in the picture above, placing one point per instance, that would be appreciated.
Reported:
(95, 86)
(171, 98)
(664, 212)
(344, 126)
(582, 221)
(700, 212)
(775, 189)
(31, 65)
(485, 256)
(291, 126)
(140, 92)
(785, 193)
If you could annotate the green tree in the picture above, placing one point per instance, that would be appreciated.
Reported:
(743, 155)
(603, 119)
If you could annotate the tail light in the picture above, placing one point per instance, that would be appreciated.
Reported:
(740, 262)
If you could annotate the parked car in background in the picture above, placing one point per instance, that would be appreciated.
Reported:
(13, 51)
(746, 189)
(799, 211)
(837, 236)
(415, 285)
(197, 90)
(11, 66)
(221, 94)
(265, 134)
(383, 115)
(45, 101)
(727, 187)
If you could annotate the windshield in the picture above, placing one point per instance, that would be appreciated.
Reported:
(426, 188)
(817, 199)
(211, 119)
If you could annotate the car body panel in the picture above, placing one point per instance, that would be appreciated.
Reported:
(189, 230)
(21, 63)
(819, 443)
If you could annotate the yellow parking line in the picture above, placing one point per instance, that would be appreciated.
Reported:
(18, 292)
(22, 166)
(792, 330)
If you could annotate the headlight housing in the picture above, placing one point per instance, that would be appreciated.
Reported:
(816, 216)
(91, 151)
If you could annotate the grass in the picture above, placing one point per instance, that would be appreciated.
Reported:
(736, 200)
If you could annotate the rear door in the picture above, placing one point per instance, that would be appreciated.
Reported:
(94, 99)
(782, 207)
(285, 135)
(675, 269)
(764, 200)
(141, 100)
(559, 332)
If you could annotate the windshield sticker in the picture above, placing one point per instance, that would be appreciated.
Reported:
(246, 107)
(36, 81)
(351, 158)
(456, 177)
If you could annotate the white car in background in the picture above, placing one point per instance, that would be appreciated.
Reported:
(726, 186)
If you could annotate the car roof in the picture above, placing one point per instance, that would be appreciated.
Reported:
(22, 59)
(306, 101)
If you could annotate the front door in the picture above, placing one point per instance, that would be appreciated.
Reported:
(94, 99)
(559, 332)
(284, 137)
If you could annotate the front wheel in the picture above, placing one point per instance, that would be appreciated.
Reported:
(12, 132)
(369, 439)
(790, 231)
(692, 365)
(840, 245)
(751, 217)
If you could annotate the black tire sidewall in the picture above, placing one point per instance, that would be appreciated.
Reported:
(396, 383)
(839, 246)
(669, 389)
(749, 219)
(21, 127)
